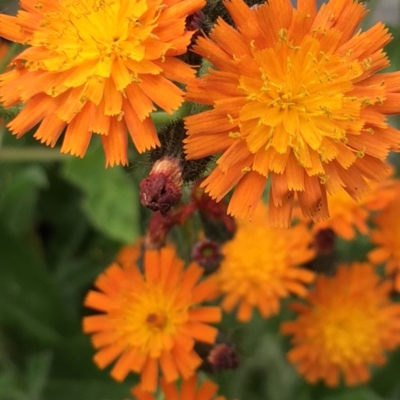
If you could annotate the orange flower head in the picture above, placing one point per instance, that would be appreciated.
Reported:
(151, 320)
(96, 67)
(387, 238)
(261, 265)
(190, 390)
(347, 324)
(296, 102)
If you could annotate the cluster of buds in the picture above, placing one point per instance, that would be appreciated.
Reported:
(161, 192)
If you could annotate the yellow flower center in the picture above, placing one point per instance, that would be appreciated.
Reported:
(156, 321)
(298, 101)
(97, 31)
(348, 333)
(150, 319)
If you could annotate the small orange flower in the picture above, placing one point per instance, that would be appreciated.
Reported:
(387, 238)
(151, 319)
(96, 67)
(261, 265)
(296, 101)
(188, 391)
(347, 324)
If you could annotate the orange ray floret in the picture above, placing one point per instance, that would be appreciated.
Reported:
(346, 325)
(348, 216)
(262, 265)
(4, 48)
(386, 237)
(96, 67)
(150, 321)
(130, 254)
(190, 390)
(295, 102)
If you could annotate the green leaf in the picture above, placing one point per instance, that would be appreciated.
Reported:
(386, 380)
(37, 374)
(10, 387)
(360, 393)
(68, 389)
(110, 198)
(265, 375)
(30, 306)
(20, 192)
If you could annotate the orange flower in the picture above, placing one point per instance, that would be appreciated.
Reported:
(347, 325)
(188, 391)
(295, 101)
(96, 66)
(387, 238)
(348, 215)
(261, 265)
(151, 319)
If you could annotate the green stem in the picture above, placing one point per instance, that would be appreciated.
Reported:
(8, 154)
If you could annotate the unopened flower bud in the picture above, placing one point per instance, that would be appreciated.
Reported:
(171, 140)
(218, 357)
(223, 357)
(324, 241)
(324, 245)
(195, 22)
(161, 190)
(208, 255)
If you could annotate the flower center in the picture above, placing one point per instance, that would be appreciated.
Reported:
(348, 335)
(148, 319)
(98, 31)
(156, 321)
(301, 100)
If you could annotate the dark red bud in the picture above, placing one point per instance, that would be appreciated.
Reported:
(223, 357)
(324, 241)
(207, 254)
(161, 190)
